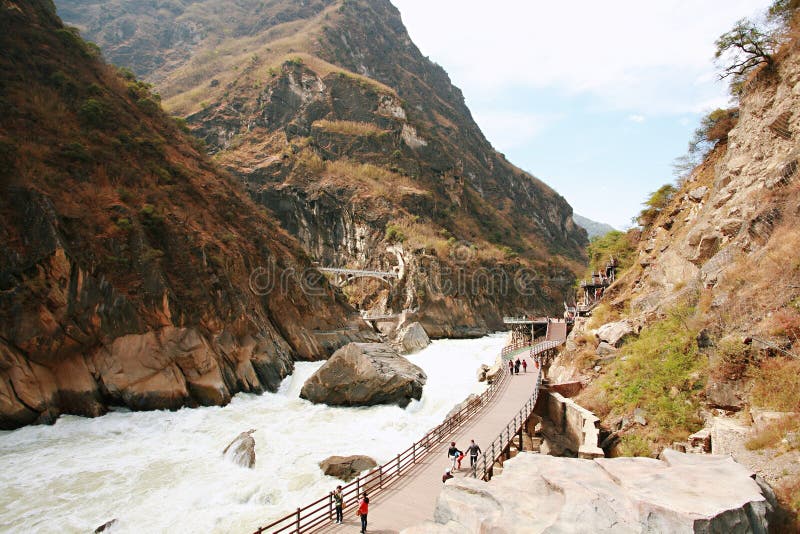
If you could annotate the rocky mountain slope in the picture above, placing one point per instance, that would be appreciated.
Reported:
(710, 310)
(361, 147)
(133, 271)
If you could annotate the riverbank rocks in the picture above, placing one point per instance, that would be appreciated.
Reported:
(538, 493)
(412, 338)
(242, 450)
(365, 374)
(346, 468)
(613, 333)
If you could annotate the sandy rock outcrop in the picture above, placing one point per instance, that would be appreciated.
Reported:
(346, 467)
(412, 338)
(613, 333)
(538, 493)
(242, 450)
(365, 374)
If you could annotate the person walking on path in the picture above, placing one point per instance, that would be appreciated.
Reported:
(473, 451)
(524, 366)
(510, 367)
(516, 365)
(455, 456)
(338, 501)
(363, 509)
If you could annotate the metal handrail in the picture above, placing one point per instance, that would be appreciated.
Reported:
(485, 463)
(321, 511)
(519, 345)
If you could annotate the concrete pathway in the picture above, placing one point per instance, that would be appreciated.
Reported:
(411, 500)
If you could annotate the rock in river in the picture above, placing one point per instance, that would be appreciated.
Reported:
(346, 467)
(242, 450)
(365, 374)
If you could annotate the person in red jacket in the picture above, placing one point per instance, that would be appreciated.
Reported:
(363, 508)
(524, 366)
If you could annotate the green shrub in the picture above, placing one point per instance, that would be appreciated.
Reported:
(94, 112)
(634, 445)
(662, 373)
(620, 245)
(394, 234)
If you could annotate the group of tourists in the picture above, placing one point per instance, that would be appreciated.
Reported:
(455, 456)
(363, 507)
(513, 366)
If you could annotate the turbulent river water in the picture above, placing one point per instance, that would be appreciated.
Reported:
(165, 472)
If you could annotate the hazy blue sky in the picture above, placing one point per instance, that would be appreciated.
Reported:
(594, 98)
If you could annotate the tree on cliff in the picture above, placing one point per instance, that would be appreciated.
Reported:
(745, 46)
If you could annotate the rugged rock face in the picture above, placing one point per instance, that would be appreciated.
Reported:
(242, 450)
(365, 374)
(540, 493)
(363, 158)
(132, 270)
(346, 467)
(412, 338)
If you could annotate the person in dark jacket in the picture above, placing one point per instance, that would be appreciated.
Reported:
(474, 450)
(455, 456)
(516, 366)
(338, 501)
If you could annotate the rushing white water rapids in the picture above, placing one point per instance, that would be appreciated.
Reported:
(165, 472)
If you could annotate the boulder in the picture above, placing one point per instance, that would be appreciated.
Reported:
(697, 194)
(538, 493)
(724, 394)
(346, 467)
(612, 333)
(365, 374)
(482, 370)
(605, 349)
(498, 366)
(105, 526)
(412, 338)
(242, 450)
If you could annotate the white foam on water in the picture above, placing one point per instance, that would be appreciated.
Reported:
(164, 471)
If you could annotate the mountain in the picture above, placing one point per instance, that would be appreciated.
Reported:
(133, 270)
(593, 228)
(359, 145)
(711, 303)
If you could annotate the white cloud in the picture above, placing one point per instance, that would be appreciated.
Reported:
(645, 57)
(636, 118)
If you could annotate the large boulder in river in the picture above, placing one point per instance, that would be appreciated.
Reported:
(412, 338)
(365, 374)
(242, 450)
(346, 467)
(689, 493)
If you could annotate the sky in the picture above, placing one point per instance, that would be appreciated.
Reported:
(596, 99)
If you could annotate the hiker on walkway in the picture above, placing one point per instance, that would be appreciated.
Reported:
(473, 451)
(447, 475)
(510, 367)
(516, 365)
(455, 456)
(338, 501)
(363, 508)
(524, 366)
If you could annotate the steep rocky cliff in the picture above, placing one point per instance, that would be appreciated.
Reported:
(711, 308)
(364, 150)
(133, 271)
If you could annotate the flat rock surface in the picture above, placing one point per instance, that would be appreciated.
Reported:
(365, 374)
(538, 493)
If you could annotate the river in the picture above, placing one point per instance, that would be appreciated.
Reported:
(164, 471)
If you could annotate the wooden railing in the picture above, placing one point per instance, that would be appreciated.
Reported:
(519, 345)
(321, 512)
(483, 467)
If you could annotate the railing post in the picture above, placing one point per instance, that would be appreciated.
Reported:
(380, 476)
(298, 521)
(330, 505)
(398, 466)
(358, 487)
(414, 453)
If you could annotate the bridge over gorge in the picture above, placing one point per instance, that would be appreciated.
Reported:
(403, 491)
(342, 277)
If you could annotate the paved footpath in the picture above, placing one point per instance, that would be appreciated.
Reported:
(412, 499)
